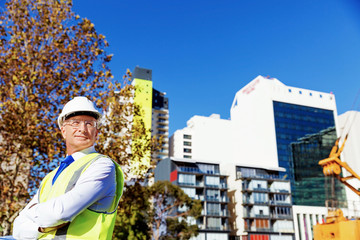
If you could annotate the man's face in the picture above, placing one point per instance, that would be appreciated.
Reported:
(79, 133)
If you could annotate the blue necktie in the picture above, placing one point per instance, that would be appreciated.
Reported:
(66, 162)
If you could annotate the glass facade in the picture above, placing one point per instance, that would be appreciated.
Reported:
(312, 187)
(293, 125)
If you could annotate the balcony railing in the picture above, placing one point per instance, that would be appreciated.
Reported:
(221, 185)
(274, 230)
(282, 203)
(186, 184)
(199, 197)
(196, 170)
(260, 189)
(255, 229)
(281, 216)
(253, 215)
(211, 198)
(225, 213)
(224, 227)
(258, 176)
(276, 190)
(284, 230)
(213, 213)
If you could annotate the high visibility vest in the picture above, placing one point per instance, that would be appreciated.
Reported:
(89, 225)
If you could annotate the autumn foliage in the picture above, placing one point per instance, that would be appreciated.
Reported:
(48, 55)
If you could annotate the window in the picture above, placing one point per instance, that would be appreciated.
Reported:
(212, 194)
(187, 136)
(213, 209)
(186, 143)
(214, 223)
(212, 181)
(260, 197)
(189, 191)
(282, 211)
(187, 150)
(187, 179)
(187, 156)
(209, 168)
(262, 223)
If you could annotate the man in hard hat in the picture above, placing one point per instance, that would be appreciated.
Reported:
(78, 200)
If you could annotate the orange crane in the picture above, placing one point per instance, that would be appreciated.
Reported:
(338, 227)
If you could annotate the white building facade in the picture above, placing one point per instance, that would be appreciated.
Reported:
(267, 118)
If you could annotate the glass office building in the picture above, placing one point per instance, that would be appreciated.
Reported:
(304, 135)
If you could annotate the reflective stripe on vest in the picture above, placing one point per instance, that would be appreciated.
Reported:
(88, 224)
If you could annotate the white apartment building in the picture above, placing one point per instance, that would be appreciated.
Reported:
(349, 123)
(269, 120)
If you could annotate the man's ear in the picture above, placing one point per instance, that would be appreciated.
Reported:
(63, 131)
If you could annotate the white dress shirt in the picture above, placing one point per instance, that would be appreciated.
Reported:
(95, 189)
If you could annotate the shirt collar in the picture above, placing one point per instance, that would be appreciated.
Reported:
(82, 153)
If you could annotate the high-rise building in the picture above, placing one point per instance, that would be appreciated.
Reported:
(270, 126)
(202, 181)
(155, 109)
(160, 122)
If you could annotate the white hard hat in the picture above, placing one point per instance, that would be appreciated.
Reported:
(78, 106)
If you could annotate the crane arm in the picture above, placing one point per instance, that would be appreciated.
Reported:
(333, 165)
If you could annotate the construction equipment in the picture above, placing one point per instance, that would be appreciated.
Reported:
(338, 227)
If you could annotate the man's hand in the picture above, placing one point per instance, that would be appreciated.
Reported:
(25, 228)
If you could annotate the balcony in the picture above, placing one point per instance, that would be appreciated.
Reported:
(162, 127)
(224, 227)
(253, 215)
(240, 175)
(164, 121)
(280, 203)
(163, 133)
(186, 184)
(260, 189)
(281, 216)
(199, 197)
(213, 213)
(212, 185)
(196, 170)
(199, 184)
(162, 115)
(284, 230)
(212, 199)
(225, 213)
(255, 202)
(275, 190)
(223, 185)
(255, 229)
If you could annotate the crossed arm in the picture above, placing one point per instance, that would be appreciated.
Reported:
(95, 189)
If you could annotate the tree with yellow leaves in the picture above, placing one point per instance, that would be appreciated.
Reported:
(48, 55)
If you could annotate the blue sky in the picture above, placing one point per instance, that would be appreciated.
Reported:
(202, 52)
